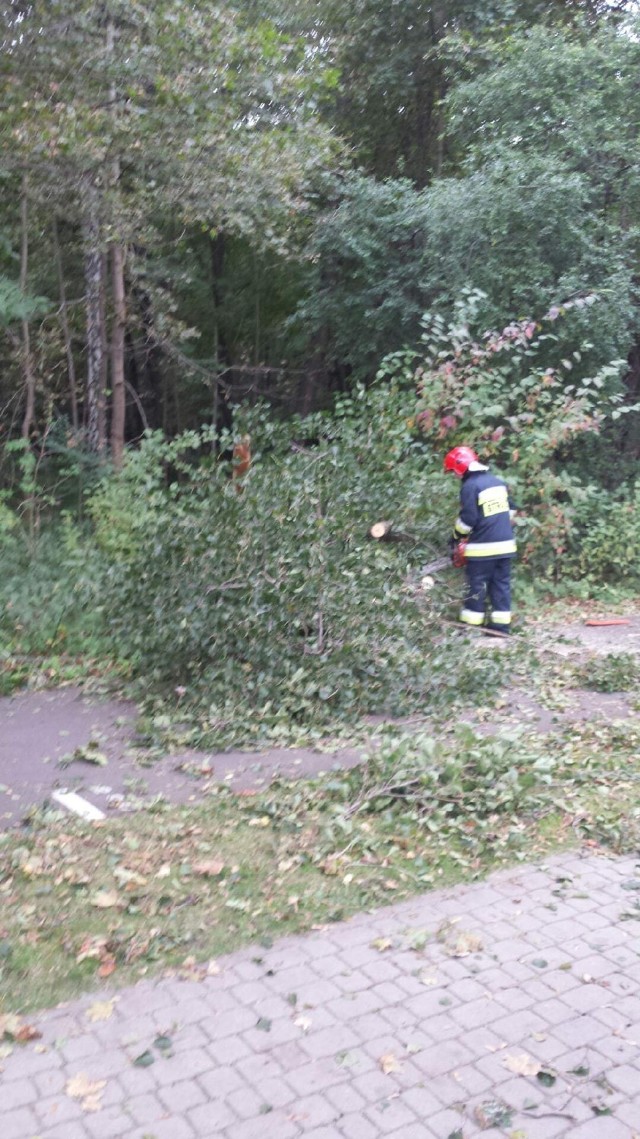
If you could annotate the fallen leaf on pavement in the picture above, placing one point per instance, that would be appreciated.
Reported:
(346, 1059)
(546, 1077)
(522, 1064)
(13, 1029)
(89, 754)
(493, 1113)
(463, 944)
(381, 944)
(101, 1010)
(144, 1060)
(88, 1091)
(389, 1063)
(418, 940)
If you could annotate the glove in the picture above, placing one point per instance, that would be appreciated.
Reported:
(458, 554)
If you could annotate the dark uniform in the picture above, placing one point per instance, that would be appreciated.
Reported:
(485, 525)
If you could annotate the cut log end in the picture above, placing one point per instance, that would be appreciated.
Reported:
(380, 530)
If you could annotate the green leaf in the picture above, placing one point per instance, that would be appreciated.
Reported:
(144, 1060)
(546, 1077)
(346, 1059)
(581, 1070)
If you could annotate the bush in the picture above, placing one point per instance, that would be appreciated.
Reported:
(609, 549)
(48, 592)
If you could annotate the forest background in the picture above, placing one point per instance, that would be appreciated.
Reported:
(342, 237)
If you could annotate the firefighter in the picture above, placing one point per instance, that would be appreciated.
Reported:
(483, 541)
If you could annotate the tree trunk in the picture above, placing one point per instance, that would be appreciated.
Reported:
(118, 397)
(64, 321)
(220, 353)
(147, 356)
(218, 252)
(93, 276)
(104, 366)
(631, 429)
(118, 393)
(27, 359)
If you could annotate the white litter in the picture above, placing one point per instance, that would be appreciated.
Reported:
(78, 806)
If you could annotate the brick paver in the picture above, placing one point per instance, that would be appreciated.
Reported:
(379, 1039)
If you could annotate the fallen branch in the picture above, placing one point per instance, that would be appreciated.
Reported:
(225, 585)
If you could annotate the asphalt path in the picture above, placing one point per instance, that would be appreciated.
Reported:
(41, 730)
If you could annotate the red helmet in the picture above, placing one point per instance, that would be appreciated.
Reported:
(459, 460)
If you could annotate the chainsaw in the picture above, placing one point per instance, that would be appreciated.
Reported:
(456, 558)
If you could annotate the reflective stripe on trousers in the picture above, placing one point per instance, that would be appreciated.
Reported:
(488, 578)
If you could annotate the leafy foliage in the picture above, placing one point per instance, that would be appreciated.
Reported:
(615, 672)
(436, 785)
(498, 391)
(609, 549)
(14, 305)
(274, 599)
(48, 598)
(522, 230)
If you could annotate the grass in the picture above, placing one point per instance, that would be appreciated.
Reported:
(86, 906)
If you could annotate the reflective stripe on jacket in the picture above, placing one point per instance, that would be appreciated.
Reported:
(485, 517)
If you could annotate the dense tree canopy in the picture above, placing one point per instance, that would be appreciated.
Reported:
(205, 202)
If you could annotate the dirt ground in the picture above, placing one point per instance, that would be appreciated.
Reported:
(572, 638)
(40, 731)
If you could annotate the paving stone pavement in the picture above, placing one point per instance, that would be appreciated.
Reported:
(423, 1020)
